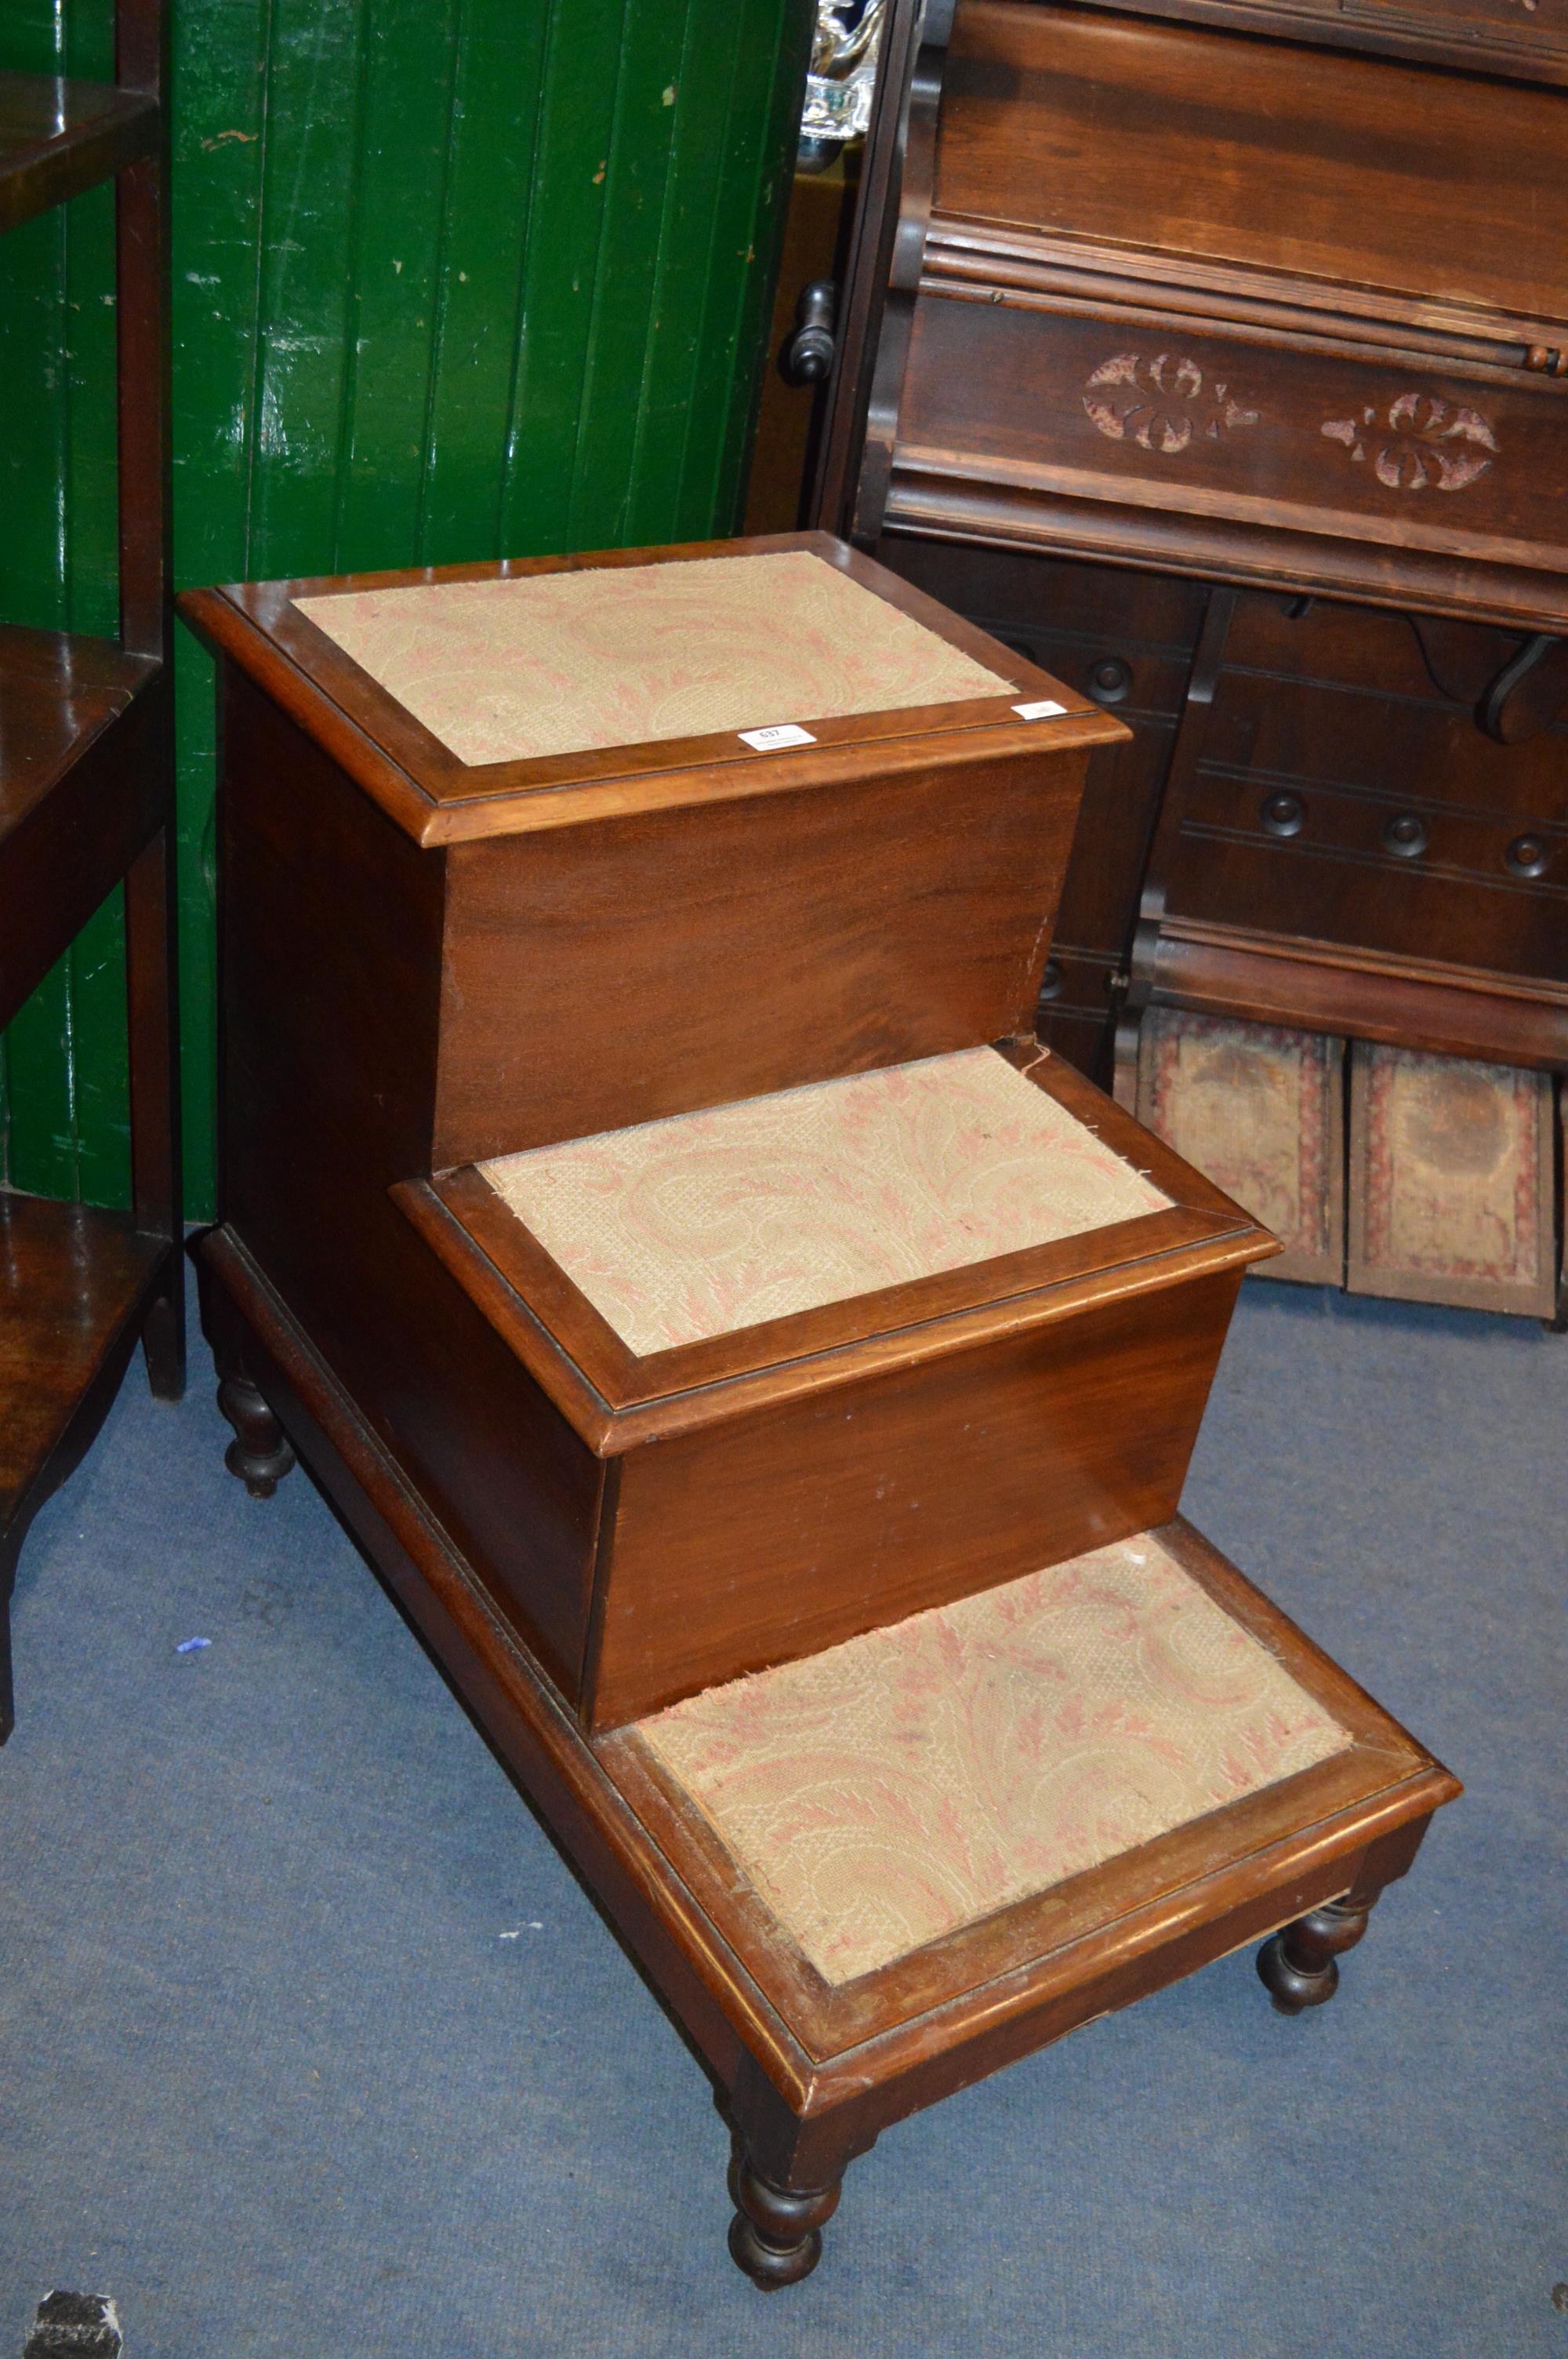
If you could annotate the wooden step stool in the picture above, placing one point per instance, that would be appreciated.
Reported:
(765, 1376)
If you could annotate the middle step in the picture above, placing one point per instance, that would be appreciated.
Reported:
(811, 1363)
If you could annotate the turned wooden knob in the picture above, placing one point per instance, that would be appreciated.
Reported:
(1284, 814)
(1526, 856)
(1406, 836)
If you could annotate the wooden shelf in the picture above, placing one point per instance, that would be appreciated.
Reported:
(59, 137)
(74, 1284)
(81, 791)
(59, 693)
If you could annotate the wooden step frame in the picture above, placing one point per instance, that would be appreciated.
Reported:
(807, 2075)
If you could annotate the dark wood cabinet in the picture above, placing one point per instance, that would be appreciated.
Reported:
(86, 799)
(1217, 356)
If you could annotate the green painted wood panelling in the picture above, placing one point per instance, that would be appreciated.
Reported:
(452, 279)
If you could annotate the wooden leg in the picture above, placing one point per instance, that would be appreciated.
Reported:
(163, 1341)
(785, 2177)
(776, 2234)
(150, 978)
(1298, 1966)
(259, 1454)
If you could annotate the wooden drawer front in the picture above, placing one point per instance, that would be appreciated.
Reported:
(1336, 879)
(1147, 415)
(1347, 171)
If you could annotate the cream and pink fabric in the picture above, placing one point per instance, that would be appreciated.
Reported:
(706, 1223)
(556, 663)
(1260, 1109)
(912, 1781)
(1453, 1179)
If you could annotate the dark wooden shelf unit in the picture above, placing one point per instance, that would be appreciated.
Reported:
(87, 800)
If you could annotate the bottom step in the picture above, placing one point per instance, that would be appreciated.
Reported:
(866, 1879)
(1014, 1806)
(887, 1793)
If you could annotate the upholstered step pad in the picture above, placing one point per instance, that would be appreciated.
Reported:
(699, 1225)
(908, 1783)
(555, 663)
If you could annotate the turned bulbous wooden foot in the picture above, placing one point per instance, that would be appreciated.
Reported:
(259, 1454)
(776, 2234)
(1298, 1966)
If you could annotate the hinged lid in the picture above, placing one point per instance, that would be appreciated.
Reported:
(497, 699)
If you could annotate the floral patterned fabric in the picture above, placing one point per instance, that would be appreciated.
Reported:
(1454, 1181)
(555, 663)
(706, 1223)
(891, 1790)
(1259, 1109)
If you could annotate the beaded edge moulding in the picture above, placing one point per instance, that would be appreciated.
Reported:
(626, 654)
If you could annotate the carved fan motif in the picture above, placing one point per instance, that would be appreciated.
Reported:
(1161, 403)
(1421, 441)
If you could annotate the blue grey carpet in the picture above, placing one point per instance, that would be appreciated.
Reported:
(310, 2045)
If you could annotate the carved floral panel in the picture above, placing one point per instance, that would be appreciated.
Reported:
(1162, 402)
(1418, 441)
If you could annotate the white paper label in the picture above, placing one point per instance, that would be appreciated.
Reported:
(1043, 711)
(785, 733)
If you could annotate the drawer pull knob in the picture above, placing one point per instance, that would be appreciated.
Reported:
(1110, 679)
(1526, 856)
(809, 357)
(1406, 836)
(1051, 981)
(1284, 814)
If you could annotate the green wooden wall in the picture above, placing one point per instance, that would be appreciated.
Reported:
(452, 278)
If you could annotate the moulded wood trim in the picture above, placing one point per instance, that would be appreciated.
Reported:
(440, 1216)
(957, 505)
(1362, 995)
(229, 633)
(1171, 496)
(616, 1397)
(1485, 50)
(451, 1240)
(1066, 294)
(1027, 261)
(628, 1379)
(439, 798)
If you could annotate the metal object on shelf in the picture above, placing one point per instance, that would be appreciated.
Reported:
(841, 79)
